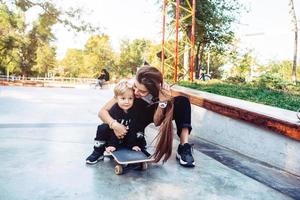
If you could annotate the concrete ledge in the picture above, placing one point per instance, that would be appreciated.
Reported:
(265, 133)
(278, 120)
(23, 83)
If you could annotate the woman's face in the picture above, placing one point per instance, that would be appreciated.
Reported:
(139, 90)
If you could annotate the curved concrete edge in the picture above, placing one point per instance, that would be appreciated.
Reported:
(278, 120)
(220, 120)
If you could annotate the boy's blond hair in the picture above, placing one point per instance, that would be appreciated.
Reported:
(122, 87)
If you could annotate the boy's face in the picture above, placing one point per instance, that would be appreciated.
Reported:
(125, 101)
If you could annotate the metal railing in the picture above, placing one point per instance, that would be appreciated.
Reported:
(68, 80)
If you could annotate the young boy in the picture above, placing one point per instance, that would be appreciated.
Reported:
(125, 113)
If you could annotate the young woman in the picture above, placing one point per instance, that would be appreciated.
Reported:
(156, 105)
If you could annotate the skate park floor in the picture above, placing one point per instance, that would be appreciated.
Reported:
(47, 133)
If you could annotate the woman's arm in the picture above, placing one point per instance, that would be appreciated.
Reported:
(159, 115)
(119, 129)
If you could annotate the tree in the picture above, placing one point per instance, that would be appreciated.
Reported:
(72, 63)
(11, 27)
(23, 41)
(98, 54)
(242, 64)
(213, 25)
(294, 20)
(132, 55)
(45, 59)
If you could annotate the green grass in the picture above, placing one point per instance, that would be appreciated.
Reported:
(289, 100)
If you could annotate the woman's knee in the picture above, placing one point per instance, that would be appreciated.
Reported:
(182, 108)
(181, 101)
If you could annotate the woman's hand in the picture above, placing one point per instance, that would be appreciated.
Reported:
(119, 129)
(110, 149)
(164, 95)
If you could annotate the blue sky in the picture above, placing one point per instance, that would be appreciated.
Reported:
(266, 28)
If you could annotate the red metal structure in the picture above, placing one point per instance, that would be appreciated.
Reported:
(185, 14)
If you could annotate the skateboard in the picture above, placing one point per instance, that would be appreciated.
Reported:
(129, 159)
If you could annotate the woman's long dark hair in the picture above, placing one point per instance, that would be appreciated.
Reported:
(152, 79)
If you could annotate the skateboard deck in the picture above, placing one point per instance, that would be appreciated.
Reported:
(126, 156)
(128, 159)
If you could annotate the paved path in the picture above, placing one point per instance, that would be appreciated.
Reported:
(46, 134)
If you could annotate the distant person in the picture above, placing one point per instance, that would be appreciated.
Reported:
(103, 77)
(124, 112)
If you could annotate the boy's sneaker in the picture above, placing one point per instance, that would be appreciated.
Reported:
(184, 155)
(95, 156)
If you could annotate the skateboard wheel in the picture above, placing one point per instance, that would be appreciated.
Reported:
(144, 166)
(118, 169)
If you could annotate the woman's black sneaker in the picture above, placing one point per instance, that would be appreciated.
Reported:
(184, 155)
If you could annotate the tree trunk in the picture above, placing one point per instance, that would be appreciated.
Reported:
(197, 74)
(186, 62)
(294, 20)
(294, 75)
(199, 57)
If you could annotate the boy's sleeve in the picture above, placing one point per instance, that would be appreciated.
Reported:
(114, 111)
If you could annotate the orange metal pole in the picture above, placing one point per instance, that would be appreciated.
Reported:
(176, 43)
(192, 62)
(163, 38)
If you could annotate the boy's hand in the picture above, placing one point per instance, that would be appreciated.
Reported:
(110, 149)
(136, 148)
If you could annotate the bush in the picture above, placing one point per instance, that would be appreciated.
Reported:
(235, 79)
(250, 92)
(271, 81)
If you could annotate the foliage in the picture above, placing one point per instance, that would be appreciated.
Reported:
(242, 64)
(12, 25)
(212, 29)
(45, 61)
(72, 63)
(132, 56)
(279, 98)
(98, 54)
(21, 44)
(235, 79)
(282, 67)
(271, 81)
